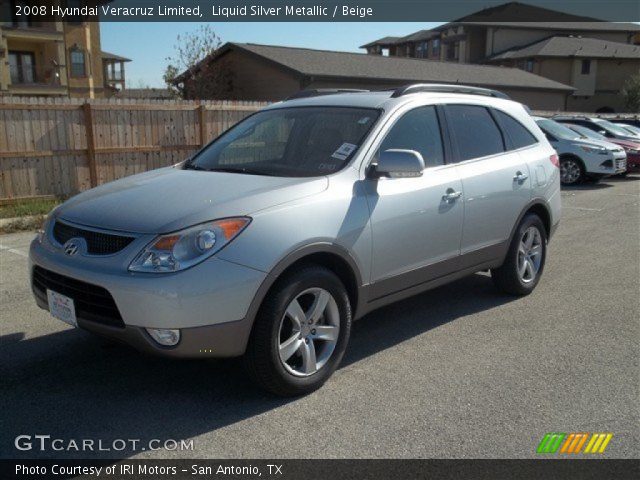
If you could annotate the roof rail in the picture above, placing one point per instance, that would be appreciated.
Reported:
(446, 88)
(316, 92)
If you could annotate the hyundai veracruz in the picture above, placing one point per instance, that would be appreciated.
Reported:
(303, 217)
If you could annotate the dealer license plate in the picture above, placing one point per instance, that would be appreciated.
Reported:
(62, 308)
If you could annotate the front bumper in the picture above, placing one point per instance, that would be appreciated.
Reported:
(209, 302)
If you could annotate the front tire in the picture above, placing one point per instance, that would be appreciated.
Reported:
(523, 266)
(571, 171)
(300, 333)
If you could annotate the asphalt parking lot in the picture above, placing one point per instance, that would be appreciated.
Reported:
(461, 371)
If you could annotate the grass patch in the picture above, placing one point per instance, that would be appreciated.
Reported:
(24, 208)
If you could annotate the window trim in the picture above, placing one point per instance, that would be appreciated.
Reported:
(457, 157)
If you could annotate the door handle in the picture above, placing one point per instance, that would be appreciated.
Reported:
(520, 177)
(451, 195)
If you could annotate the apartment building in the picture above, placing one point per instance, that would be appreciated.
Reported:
(596, 58)
(48, 57)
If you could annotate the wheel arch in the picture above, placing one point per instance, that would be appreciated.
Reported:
(328, 255)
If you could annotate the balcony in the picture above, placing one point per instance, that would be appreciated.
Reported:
(35, 80)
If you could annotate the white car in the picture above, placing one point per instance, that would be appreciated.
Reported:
(580, 158)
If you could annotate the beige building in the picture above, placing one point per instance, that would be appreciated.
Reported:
(486, 38)
(54, 58)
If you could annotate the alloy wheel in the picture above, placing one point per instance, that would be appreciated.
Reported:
(308, 332)
(569, 171)
(530, 254)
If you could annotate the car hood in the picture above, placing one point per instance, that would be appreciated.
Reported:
(601, 143)
(626, 143)
(169, 199)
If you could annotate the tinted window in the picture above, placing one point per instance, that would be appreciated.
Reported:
(518, 135)
(476, 133)
(417, 130)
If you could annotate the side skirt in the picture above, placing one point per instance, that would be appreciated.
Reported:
(408, 284)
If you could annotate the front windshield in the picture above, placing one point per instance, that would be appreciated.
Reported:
(613, 128)
(588, 133)
(289, 142)
(556, 129)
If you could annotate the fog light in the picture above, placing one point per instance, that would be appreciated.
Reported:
(164, 336)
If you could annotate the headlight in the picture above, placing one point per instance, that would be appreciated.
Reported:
(589, 149)
(632, 151)
(188, 247)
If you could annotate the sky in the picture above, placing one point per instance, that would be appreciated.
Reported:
(149, 44)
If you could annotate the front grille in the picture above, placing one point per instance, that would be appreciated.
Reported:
(621, 163)
(91, 302)
(98, 243)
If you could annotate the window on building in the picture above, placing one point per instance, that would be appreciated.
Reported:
(78, 63)
(435, 47)
(517, 134)
(421, 50)
(528, 65)
(476, 133)
(586, 67)
(417, 130)
(22, 67)
(453, 51)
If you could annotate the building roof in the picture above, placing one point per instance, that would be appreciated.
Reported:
(510, 15)
(113, 56)
(360, 66)
(572, 47)
(382, 41)
(413, 37)
(566, 26)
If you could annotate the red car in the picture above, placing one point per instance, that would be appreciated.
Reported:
(631, 148)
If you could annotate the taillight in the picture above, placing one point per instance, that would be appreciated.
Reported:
(555, 160)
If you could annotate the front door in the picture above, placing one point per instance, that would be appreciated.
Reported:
(416, 222)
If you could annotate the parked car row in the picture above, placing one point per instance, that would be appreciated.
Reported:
(592, 148)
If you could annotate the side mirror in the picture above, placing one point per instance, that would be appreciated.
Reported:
(399, 164)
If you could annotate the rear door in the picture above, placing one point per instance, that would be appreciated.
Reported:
(495, 180)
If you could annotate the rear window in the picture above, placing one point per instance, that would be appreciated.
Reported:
(476, 133)
(517, 134)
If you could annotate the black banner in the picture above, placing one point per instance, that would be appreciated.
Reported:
(319, 10)
(322, 469)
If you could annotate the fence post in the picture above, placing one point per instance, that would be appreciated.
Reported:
(91, 143)
(202, 120)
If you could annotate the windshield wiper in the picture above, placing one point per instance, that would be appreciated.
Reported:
(192, 166)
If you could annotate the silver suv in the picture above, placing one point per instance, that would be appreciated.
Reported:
(303, 217)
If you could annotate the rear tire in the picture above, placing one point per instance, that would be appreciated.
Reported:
(523, 266)
(571, 171)
(300, 333)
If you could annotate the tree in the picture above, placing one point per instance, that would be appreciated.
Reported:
(631, 93)
(206, 81)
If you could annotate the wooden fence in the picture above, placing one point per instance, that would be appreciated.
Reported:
(63, 146)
